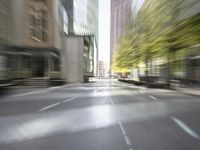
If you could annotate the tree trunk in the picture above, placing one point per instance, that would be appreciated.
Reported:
(168, 70)
(147, 73)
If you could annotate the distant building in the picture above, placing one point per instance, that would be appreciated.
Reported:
(104, 69)
(101, 72)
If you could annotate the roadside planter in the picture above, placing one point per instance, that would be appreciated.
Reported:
(56, 79)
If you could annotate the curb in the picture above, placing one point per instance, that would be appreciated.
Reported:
(193, 93)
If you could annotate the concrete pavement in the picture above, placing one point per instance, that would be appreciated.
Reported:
(189, 90)
(106, 115)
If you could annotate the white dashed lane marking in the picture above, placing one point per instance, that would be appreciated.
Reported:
(25, 94)
(69, 100)
(152, 97)
(126, 138)
(185, 128)
(111, 100)
(50, 106)
(56, 104)
(45, 90)
(128, 142)
(122, 129)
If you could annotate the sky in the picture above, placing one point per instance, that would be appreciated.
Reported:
(104, 30)
(104, 27)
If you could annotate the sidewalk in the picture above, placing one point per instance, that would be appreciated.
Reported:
(186, 90)
(29, 90)
(189, 90)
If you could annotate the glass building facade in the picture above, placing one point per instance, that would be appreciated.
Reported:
(83, 21)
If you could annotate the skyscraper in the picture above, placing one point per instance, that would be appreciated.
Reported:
(5, 37)
(120, 15)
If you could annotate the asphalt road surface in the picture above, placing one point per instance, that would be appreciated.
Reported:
(103, 115)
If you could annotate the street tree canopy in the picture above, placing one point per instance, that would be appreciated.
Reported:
(155, 31)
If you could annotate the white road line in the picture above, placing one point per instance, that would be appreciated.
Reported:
(152, 97)
(127, 140)
(111, 100)
(186, 128)
(38, 91)
(95, 93)
(55, 87)
(31, 93)
(130, 86)
(122, 128)
(49, 106)
(25, 94)
(70, 99)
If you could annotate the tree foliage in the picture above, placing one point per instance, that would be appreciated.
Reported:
(156, 31)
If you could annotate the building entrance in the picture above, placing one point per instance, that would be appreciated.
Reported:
(38, 67)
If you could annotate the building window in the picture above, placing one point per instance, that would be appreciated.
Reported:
(38, 26)
(44, 36)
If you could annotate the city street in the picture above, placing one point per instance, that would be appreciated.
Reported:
(102, 115)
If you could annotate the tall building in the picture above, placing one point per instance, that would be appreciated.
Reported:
(189, 9)
(120, 15)
(45, 38)
(5, 23)
(82, 16)
(5, 37)
(189, 13)
(32, 30)
(82, 36)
